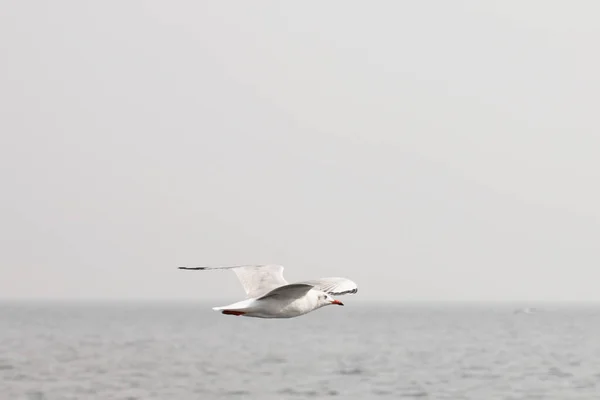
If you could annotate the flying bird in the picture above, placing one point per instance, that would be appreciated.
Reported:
(269, 295)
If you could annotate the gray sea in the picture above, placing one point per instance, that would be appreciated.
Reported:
(52, 351)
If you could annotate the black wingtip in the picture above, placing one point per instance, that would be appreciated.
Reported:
(353, 291)
(192, 268)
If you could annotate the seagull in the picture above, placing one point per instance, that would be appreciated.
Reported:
(269, 295)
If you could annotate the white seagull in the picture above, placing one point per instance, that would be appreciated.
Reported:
(269, 295)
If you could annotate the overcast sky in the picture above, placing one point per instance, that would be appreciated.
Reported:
(428, 150)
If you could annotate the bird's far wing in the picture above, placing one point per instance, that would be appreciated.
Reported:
(334, 286)
(288, 292)
(256, 279)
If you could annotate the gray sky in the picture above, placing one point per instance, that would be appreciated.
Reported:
(428, 150)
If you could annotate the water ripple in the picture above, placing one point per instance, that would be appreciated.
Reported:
(154, 352)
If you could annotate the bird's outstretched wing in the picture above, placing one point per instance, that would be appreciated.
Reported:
(333, 286)
(257, 280)
(288, 292)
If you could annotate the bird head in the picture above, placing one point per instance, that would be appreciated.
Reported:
(326, 300)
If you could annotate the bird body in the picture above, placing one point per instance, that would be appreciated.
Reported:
(269, 295)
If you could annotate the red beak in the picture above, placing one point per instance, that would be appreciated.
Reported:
(339, 303)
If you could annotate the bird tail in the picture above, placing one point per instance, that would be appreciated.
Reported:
(229, 310)
(240, 306)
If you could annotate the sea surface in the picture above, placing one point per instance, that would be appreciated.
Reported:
(179, 351)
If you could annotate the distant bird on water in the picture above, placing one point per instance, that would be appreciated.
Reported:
(269, 295)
